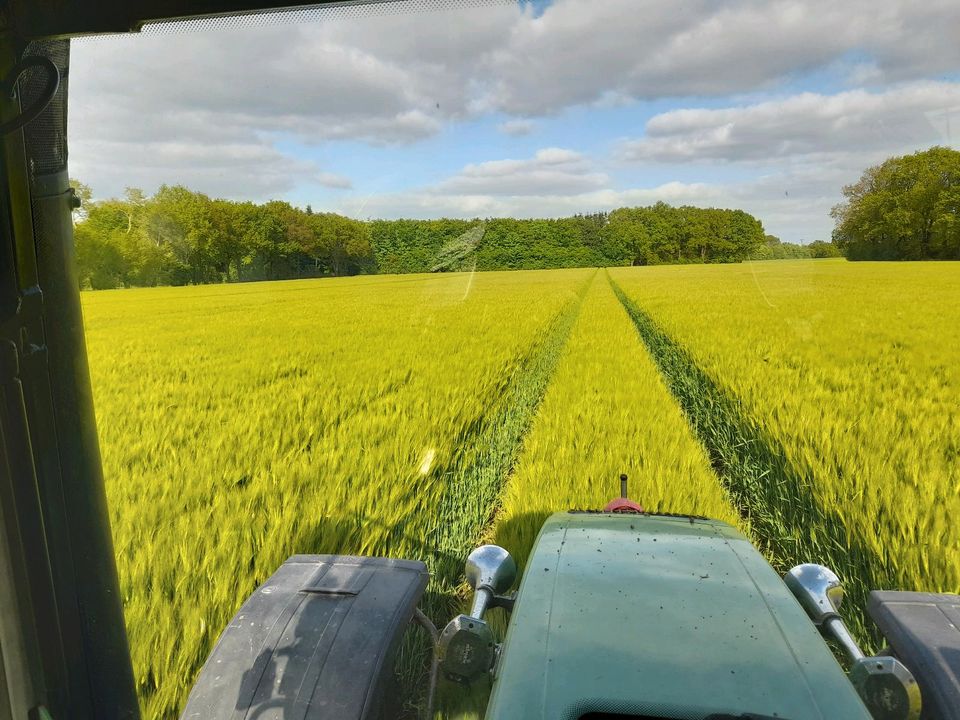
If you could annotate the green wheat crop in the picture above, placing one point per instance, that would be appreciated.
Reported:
(816, 404)
(607, 412)
(242, 424)
(845, 379)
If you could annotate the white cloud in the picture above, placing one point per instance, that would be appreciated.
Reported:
(793, 200)
(554, 182)
(430, 203)
(792, 205)
(857, 121)
(517, 128)
(332, 180)
(551, 170)
(584, 52)
(217, 110)
(244, 168)
(237, 92)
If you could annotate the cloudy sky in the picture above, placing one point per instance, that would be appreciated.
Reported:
(532, 109)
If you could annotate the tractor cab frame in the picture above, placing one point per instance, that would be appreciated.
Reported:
(603, 625)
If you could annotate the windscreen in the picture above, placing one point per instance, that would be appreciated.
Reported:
(402, 279)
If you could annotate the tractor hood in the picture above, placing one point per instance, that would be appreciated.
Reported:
(660, 616)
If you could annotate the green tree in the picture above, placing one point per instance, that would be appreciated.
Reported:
(178, 236)
(625, 238)
(822, 249)
(903, 209)
(773, 249)
(665, 234)
(85, 195)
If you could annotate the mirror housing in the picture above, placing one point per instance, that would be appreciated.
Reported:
(818, 590)
(467, 648)
(886, 686)
(492, 568)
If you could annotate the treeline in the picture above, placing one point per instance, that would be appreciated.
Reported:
(179, 237)
(664, 234)
(775, 249)
(907, 208)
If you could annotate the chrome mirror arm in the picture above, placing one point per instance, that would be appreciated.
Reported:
(886, 685)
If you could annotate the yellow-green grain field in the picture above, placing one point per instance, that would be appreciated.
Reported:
(242, 424)
(851, 374)
(607, 412)
(417, 415)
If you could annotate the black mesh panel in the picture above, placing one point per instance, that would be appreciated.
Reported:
(46, 136)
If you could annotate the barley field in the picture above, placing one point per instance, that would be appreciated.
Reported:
(847, 384)
(816, 404)
(606, 412)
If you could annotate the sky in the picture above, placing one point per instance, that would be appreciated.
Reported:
(483, 108)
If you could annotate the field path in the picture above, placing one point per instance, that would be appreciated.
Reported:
(606, 412)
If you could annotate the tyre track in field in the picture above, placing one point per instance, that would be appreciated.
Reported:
(773, 495)
(473, 487)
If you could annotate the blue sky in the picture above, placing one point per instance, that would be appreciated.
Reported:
(594, 131)
(541, 109)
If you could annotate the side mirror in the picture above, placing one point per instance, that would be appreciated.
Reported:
(466, 649)
(886, 685)
(491, 567)
(818, 590)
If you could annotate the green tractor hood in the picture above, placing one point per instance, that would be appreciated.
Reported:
(660, 617)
